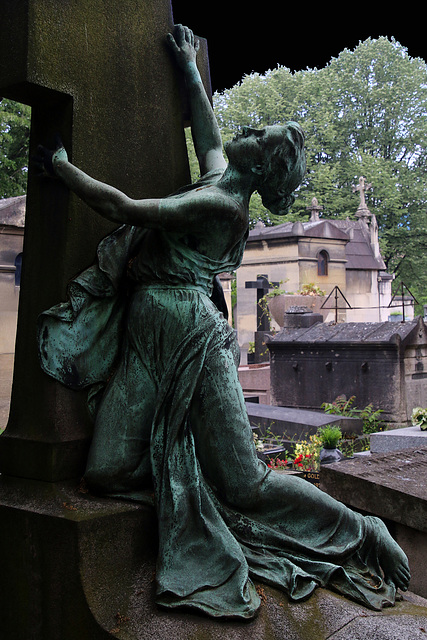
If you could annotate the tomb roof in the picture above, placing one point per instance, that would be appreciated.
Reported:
(12, 211)
(354, 332)
(317, 229)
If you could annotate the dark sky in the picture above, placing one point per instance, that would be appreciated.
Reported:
(242, 41)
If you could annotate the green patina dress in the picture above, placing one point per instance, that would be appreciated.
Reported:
(160, 362)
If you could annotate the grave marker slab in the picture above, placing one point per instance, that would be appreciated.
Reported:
(398, 439)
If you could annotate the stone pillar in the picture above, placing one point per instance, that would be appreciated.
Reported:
(99, 74)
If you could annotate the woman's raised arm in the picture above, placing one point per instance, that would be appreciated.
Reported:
(204, 126)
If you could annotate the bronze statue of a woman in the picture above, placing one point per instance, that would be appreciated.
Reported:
(140, 330)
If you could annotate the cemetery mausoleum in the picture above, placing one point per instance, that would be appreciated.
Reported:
(329, 253)
(383, 363)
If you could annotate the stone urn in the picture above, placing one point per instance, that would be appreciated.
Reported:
(279, 305)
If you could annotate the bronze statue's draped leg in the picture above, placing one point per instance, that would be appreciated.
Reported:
(200, 564)
(293, 535)
(223, 516)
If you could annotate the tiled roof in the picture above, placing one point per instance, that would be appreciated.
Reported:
(359, 251)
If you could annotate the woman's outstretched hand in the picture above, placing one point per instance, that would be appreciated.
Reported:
(184, 45)
(44, 160)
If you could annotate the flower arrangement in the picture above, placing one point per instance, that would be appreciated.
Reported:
(419, 417)
(307, 454)
(311, 289)
(259, 445)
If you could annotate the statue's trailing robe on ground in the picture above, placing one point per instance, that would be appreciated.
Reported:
(142, 333)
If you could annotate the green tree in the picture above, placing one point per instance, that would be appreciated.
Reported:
(365, 113)
(14, 141)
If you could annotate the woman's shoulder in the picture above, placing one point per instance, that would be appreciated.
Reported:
(210, 178)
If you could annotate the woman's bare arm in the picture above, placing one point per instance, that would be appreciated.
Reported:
(108, 201)
(190, 213)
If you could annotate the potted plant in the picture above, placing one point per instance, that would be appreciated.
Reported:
(272, 302)
(311, 289)
(419, 418)
(310, 296)
(329, 437)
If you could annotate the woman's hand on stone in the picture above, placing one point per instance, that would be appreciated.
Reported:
(45, 158)
(184, 45)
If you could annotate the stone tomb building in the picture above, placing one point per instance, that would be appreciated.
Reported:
(328, 253)
(383, 363)
(12, 220)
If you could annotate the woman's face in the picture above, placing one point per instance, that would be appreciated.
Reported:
(248, 148)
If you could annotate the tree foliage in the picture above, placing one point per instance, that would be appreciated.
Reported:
(364, 114)
(14, 141)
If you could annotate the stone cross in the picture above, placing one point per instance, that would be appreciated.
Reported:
(100, 75)
(314, 209)
(362, 211)
(262, 286)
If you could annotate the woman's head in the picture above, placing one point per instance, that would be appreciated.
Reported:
(284, 168)
(275, 156)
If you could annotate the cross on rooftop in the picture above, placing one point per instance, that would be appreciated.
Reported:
(362, 187)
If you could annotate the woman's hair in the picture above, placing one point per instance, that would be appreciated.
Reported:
(283, 171)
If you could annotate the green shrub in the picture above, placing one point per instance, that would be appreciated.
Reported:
(343, 407)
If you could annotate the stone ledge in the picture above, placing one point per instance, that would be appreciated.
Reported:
(84, 568)
(393, 486)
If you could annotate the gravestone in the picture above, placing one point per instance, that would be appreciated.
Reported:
(262, 286)
(99, 74)
(398, 439)
(297, 424)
